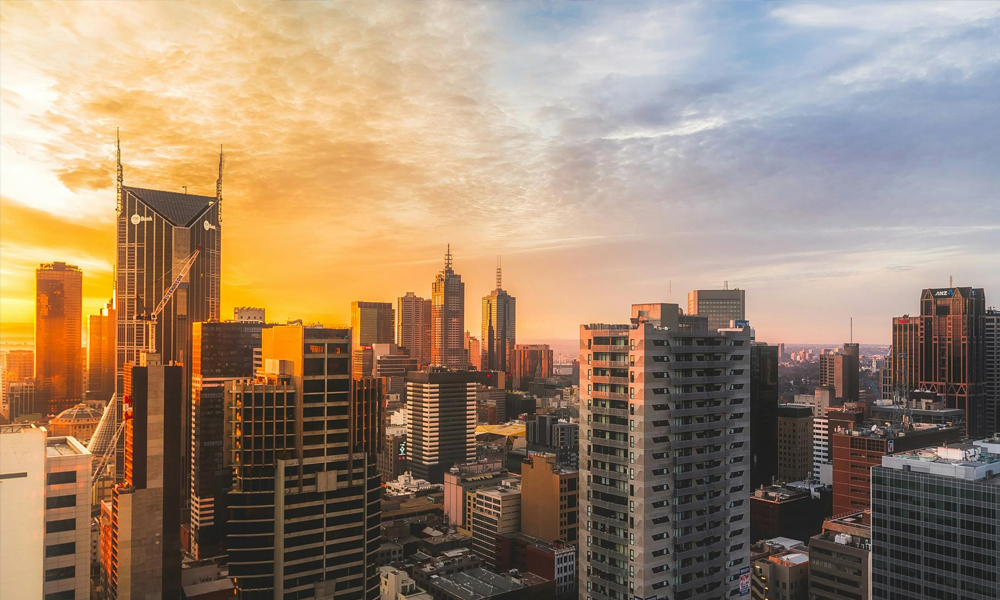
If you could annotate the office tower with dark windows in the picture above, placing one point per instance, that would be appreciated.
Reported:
(934, 523)
(531, 362)
(903, 365)
(795, 442)
(303, 442)
(220, 352)
(448, 318)
(101, 355)
(146, 506)
(441, 422)
(156, 232)
(665, 457)
(372, 323)
(58, 337)
(413, 315)
(992, 334)
(391, 364)
(764, 395)
(841, 372)
(499, 328)
(719, 306)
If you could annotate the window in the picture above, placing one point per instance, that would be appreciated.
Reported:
(64, 595)
(60, 501)
(63, 477)
(60, 525)
(60, 573)
(60, 549)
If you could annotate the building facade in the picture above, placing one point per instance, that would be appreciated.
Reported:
(496, 511)
(372, 323)
(841, 372)
(67, 519)
(58, 337)
(448, 318)
(498, 329)
(530, 362)
(718, 306)
(664, 412)
(795, 442)
(764, 395)
(992, 334)
(549, 493)
(101, 355)
(22, 495)
(441, 422)
(413, 316)
(840, 558)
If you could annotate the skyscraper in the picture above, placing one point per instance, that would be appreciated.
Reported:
(934, 523)
(499, 326)
(58, 337)
(414, 318)
(441, 424)
(905, 357)
(720, 306)
(763, 414)
(795, 442)
(303, 443)
(530, 362)
(841, 372)
(448, 318)
(157, 232)
(665, 420)
(101, 355)
(475, 350)
(221, 352)
(372, 323)
(992, 334)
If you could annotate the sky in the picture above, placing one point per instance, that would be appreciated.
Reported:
(831, 159)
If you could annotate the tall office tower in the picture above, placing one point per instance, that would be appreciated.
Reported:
(530, 362)
(414, 317)
(822, 469)
(372, 323)
(496, 511)
(904, 362)
(19, 372)
(67, 519)
(499, 328)
(841, 372)
(22, 516)
(303, 444)
(441, 424)
(474, 348)
(20, 366)
(719, 306)
(58, 336)
(101, 355)
(157, 231)
(934, 523)
(448, 318)
(764, 395)
(855, 452)
(841, 555)
(992, 334)
(146, 507)
(665, 420)
(795, 442)
(220, 352)
(549, 493)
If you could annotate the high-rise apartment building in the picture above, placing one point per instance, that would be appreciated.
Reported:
(840, 558)
(992, 334)
(841, 372)
(372, 323)
(934, 523)
(101, 361)
(719, 306)
(303, 444)
(58, 337)
(67, 519)
(448, 318)
(499, 325)
(22, 518)
(530, 362)
(220, 352)
(156, 232)
(496, 511)
(795, 442)
(855, 452)
(665, 419)
(764, 395)
(549, 494)
(413, 315)
(441, 423)
(146, 507)
(460, 485)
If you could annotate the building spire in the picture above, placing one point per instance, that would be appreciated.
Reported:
(218, 183)
(447, 259)
(499, 272)
(118, 164)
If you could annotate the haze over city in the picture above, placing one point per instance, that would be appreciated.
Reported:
(832, 160)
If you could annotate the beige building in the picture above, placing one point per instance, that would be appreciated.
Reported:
(413, 315)
(719, 306)
(67, 519)
(549, 506)
(783, 576)
(497, 511)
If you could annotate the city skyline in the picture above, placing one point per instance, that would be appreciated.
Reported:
(365, 142)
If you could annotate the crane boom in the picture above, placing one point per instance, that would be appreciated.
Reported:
(184, 270)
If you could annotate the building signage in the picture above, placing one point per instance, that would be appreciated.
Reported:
(944, 292)
(208, 225)
(136, 219)
(745, 581)
(741, 323)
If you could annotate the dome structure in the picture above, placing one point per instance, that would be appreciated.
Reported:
(79, 421)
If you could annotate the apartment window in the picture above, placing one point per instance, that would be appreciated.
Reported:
(60, 573)
(60, 525)
(63, 595)
(62, 477)
(60, 501)
(60, 549)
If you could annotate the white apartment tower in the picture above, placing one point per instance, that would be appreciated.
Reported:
(664, 466)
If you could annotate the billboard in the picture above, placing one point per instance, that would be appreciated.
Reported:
(745, 581)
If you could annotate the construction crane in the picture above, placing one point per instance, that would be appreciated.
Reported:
(101, 460)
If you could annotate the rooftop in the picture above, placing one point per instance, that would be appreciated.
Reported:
(177, 208)
(477, 584)
(777, 493)
(979, 460)
(80, 412)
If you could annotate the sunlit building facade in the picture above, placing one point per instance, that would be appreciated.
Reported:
(718, 306)
(498, 329)
(58, 337)
(413, 316)
(448, 318)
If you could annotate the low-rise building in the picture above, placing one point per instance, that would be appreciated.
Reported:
(555, 560)
(840, 558)
(783, 576)
(480, 584)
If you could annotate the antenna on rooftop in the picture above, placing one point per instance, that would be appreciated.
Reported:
(852, 330)
(951, 281)
(218, 183)
(118, 163)
(447, 258)
(499, 272)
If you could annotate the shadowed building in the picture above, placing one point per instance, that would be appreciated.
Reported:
(58, 337)
(499, 324)
(448, 318)
(763, 414)
(441, 427)
(101, 355)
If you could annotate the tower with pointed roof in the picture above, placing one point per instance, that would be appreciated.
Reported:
(448, 318)
(499, 325)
